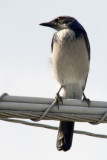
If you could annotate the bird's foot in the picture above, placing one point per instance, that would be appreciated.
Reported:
(58, 98)
(86, 100)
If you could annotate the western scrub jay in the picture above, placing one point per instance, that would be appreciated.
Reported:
(70, 63)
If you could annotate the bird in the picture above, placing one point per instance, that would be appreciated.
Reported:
(70, 63)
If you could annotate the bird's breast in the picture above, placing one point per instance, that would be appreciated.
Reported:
(70, 57)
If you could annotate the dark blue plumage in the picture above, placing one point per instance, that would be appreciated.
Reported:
(79, 29)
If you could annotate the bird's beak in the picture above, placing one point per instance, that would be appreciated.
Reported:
(47, 24)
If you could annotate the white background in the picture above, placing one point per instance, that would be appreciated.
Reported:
(24, 70)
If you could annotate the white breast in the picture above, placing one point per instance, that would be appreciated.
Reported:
(70, 58)
(65, 34)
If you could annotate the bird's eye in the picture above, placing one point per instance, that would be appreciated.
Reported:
(58, 19)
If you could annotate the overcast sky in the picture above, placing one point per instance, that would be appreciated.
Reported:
(25, 50)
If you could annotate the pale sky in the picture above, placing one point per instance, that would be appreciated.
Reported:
(24, 67)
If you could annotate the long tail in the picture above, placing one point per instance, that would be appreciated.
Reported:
(65, 135)
(66, 128)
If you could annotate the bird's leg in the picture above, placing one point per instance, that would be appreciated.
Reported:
(86, 99)
(58, 98)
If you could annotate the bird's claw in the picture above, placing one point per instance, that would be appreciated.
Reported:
(58, 98)
(87, 100)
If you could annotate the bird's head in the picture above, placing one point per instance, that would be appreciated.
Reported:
(60, 23)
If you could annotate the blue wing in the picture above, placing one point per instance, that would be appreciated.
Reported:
(87, 43)
(79, 29)
(52, 43)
